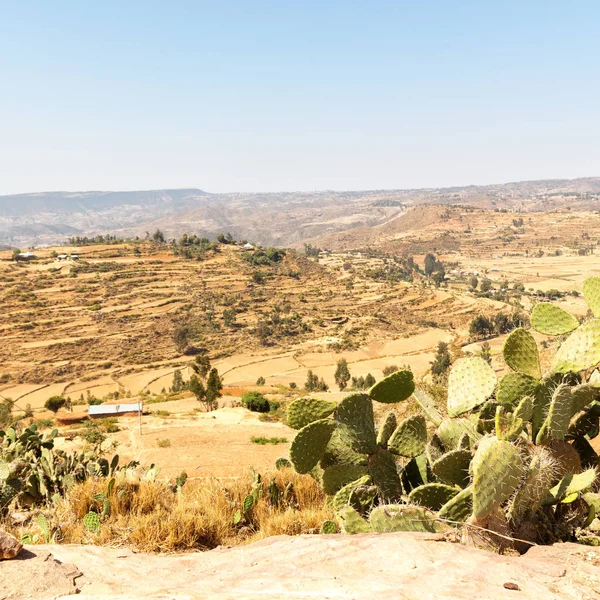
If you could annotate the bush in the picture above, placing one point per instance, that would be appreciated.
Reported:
(389, 369)
(255, 402)
(260, 381)
(166, 443)
(54, 403)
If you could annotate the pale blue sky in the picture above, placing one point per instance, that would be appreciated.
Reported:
(304, 95)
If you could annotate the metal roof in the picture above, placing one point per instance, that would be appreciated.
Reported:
(115, 409)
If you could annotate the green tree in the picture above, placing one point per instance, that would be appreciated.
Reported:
(197, 388)
(54, 403)
(312, 382)
(342, 374)
(214, 385)
(442, 361)
(389, 369)
(481, 326)
(177, 384)
(369, 381)
(201, 365)
(260, 381)
(430, 264)
(15, 254)
(158, 236)
(473, 281)
(486, 285)
(255, 402)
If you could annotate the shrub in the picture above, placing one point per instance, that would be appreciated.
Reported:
(255, 402)
(260, 381)
(263, 440)
(54, 403)
(389, 369)
(166, 443)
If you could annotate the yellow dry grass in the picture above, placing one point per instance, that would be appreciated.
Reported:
(151, 517)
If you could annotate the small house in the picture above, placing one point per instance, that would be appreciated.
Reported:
(248, 246)
(101, 411)
(62, 257)
(26, 256)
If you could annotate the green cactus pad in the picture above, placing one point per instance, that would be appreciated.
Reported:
(556, 424)
(303, 411)
(513, 386)
(282, 463)
(591, 293)
(351, 522)
(497, 467)
(571, 485)
(521, 353)
(524, 409)
(384, 472)
(337, 476)
(387, 428)
(394, 388)
(582, 396)
(248, 504)
(362, 497)
(4, 470)
(451, 430)
(459, 508)
(342, 498)
(427, 404)
(434, 449)
(329, 527)
(507, 425)
(310, 443)
(432, 495)
(549, 319)
(402, 517)
(580, 351)
(338, 452)
(453, 467)
(410, 437)
(91, 522)
(470, 383)
(356, 424)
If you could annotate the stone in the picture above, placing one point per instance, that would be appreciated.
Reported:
(10, 546)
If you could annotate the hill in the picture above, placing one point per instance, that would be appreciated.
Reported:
(275, 218)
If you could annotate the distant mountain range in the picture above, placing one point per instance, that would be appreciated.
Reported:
(275, 218)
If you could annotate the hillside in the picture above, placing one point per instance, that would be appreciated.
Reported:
(271, 218)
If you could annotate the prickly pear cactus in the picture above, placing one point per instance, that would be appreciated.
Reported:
(470, 383)
(303, 411)
(580, 351)
(394, 388)
(550, 319)
(91, 522)
(310, 443)
(591, 293)
(410, 437)
(521, 353)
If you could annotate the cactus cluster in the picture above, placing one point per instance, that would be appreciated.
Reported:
(34, 472)
(513, 455)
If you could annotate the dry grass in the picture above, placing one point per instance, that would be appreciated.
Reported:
(151, 517)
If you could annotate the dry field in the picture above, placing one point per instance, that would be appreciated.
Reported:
(104, 325)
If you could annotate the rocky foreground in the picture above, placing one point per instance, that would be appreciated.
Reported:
(398, 566)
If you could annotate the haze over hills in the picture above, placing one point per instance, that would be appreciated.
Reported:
(283, 219)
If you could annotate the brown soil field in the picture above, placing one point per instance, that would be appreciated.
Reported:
(104, 325)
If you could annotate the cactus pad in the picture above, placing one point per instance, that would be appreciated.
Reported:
(394, 388)
(507, 425)
(453, 467)
(556, 424)
(402, 517)
(550, 319)
(383, 470)
(410, 437)
(513, 386)
(432, 495)
(570, 486)
(337, 476)
(351, 522)
(387, 428)
(591, 293)
(582, 396)
(339, 453)
(427, 404)
(451, 430)
(497, 468)
(303, 411)
(521, 353)
(415, 473)
(91, 522)
(310, 443)
(524, 409)
(459, 508)
(362, 497)
(4, 470)
(342, 498)
(329, 527)
(470, 383)
(356, 425)
(580, 351)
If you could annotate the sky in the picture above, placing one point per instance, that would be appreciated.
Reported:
(273, 95)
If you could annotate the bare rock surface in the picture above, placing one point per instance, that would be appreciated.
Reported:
(36, 575)
(10, 546)
(398, 566)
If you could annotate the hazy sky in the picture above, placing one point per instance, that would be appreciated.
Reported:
(296, 95)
